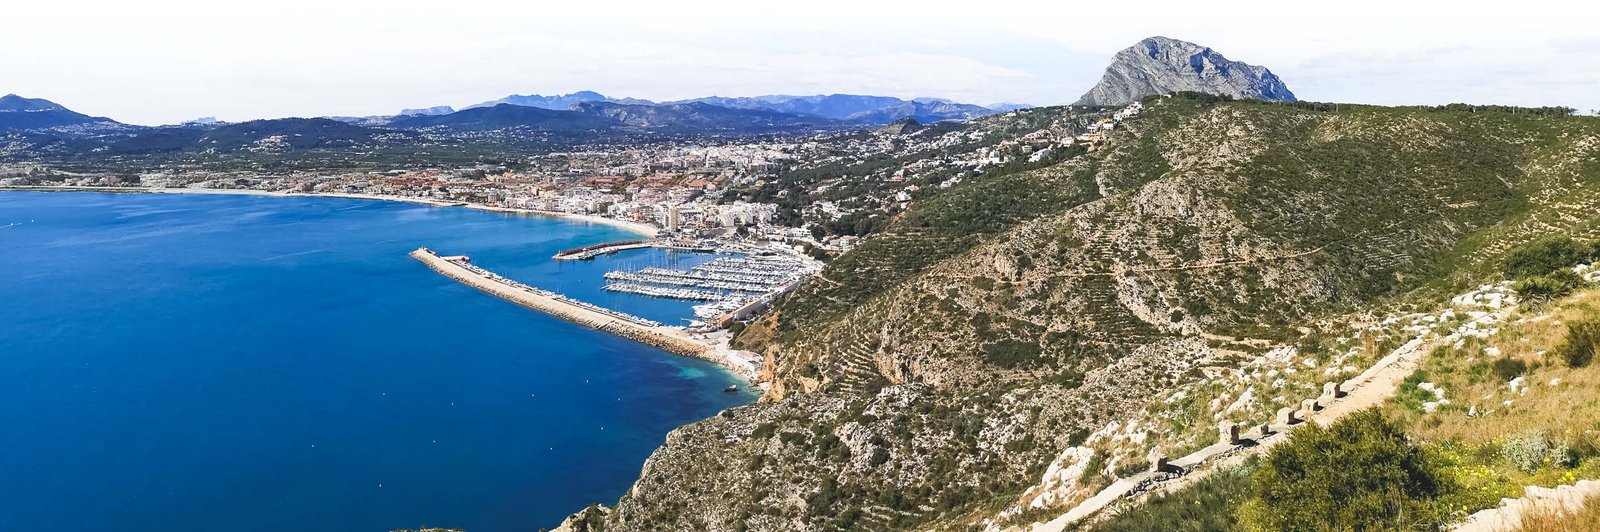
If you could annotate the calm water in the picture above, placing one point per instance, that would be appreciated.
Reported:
(245, 363)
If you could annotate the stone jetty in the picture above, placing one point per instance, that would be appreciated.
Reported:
(621, 324)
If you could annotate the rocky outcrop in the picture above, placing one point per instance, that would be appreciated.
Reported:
(1159, 65)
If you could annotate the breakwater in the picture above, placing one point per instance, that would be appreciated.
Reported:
(604, 248)
(634, 328)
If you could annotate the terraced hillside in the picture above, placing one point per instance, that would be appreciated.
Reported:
(930, 376)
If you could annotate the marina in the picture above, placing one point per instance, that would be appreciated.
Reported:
(732, 288)
(728, 285)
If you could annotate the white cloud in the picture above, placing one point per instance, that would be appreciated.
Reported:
(166, 60)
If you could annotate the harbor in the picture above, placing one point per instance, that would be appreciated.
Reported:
(736, 286)
(673, 339)
(730, 288)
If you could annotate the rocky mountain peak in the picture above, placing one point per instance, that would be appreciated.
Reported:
(1159, 65)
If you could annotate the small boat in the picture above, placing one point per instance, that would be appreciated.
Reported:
(731, 388)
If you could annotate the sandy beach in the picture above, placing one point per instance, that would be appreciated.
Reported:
(642, 229)
(646, 230)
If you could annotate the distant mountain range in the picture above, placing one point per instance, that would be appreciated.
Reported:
(435, 110)
(571, 116)
(866, 110)
(611, 116)
(1159, 65)
(21, 114)
(560, 102)
(503, 116)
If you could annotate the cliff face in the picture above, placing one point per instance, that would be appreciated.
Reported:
(929, 377)
(1159, 65)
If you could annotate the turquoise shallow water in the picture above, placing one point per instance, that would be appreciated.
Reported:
(245, 363)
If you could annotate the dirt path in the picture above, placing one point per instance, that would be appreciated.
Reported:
(1371, 388)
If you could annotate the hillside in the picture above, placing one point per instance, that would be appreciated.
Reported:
(931, 376)
(21, 114)
(266, 136)
(860, 109)
(700, 118)
(925, 111)
(503, 116)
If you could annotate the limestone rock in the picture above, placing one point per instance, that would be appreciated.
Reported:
(1159, 65)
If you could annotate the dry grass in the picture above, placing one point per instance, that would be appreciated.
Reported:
(1564, 401)
(1585, 519)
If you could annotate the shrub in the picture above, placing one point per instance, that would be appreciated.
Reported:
(1548, 286)
(1012, 354)
(1095, 467)
(1577, 350)
(1545, 255)
(1308, 483)
(1410, 395)
(1508, 368)
(1529, 451)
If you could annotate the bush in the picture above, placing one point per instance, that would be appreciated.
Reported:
(1546, 255)
(1577, 350)
(1012, 354)
(1508, 368)
(1362, 473)
(1411, 395)
(1548, 286)
(1529, 451)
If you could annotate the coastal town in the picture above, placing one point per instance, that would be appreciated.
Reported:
(810, 193)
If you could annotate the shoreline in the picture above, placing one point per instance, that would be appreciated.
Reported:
(643, 229)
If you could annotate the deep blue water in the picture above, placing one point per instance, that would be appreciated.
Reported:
(244, 363)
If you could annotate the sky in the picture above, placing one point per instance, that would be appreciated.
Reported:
(165, 61)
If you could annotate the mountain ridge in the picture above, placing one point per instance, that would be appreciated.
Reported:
(19, 114)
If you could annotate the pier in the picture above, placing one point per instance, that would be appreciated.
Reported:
(621, 324)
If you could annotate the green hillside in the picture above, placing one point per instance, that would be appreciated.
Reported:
(930, 376)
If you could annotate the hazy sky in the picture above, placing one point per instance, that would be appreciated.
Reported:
(163, 61)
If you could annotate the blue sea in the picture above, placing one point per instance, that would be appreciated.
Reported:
(206, 362)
